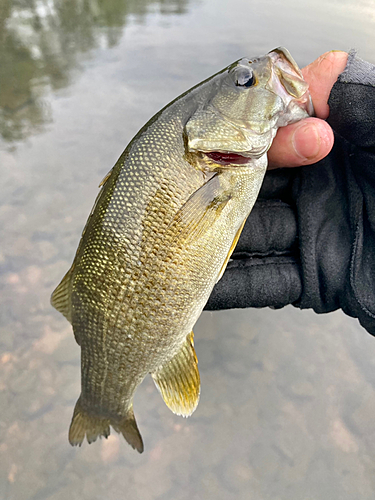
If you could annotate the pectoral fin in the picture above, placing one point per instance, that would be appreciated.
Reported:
(178, 380)
(233, 246)
(201, 210)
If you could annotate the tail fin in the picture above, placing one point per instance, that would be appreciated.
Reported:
(84, 424)
(129, 429)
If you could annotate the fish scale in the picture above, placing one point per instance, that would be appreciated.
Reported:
(160, 235)
(130, 290)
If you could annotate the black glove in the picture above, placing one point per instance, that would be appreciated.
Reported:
(310, 239)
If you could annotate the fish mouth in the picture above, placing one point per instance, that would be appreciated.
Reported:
(282, 54)
(287, 78)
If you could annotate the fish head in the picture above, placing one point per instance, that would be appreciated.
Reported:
(246, 104)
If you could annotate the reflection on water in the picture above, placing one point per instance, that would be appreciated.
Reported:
(42, 43)
(288, 397)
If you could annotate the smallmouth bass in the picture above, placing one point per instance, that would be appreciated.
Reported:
(160, 235)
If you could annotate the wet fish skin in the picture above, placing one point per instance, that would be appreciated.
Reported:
(160, 234)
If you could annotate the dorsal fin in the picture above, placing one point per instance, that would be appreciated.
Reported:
(178, 380)
(106, 177)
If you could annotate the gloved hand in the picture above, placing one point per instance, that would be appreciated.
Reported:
(310, 239)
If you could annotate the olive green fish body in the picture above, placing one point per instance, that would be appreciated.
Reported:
(159, 237)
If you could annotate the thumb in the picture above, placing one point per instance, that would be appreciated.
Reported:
(301, 143)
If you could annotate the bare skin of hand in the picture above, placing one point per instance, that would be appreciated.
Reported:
(311, 139)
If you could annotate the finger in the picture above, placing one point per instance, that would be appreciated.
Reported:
(301, 143)
(271, 229)
(321, 76)
(257, 282)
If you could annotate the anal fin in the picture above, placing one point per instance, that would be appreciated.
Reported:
(178, 380)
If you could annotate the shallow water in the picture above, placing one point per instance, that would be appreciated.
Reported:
(288, 397)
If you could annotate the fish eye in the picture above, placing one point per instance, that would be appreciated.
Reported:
(244, 77)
